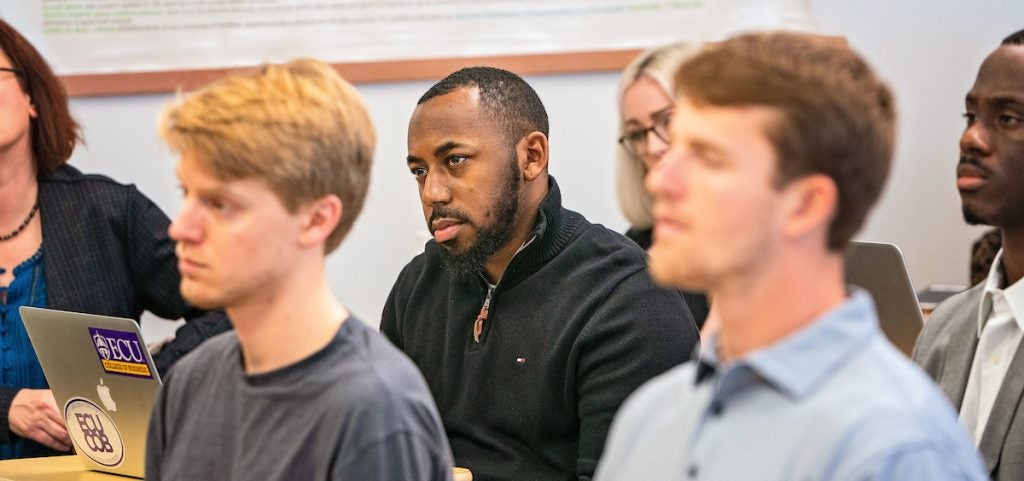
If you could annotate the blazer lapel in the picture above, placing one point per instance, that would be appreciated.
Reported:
(1003, 410)
(962, 344)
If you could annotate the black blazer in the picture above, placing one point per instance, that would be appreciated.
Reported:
(106, 251)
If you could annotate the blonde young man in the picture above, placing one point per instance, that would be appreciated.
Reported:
(779, 147)
(274, 168)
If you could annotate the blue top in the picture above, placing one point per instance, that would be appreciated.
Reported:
(19, 366)
(832, 401)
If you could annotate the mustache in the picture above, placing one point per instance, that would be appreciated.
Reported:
(442, 212)
(975, 162)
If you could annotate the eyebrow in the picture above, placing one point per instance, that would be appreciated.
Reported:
(703, 146)
(657, 114)
(664, 111)
(1007, 100)
(440, 151)
(998, 100)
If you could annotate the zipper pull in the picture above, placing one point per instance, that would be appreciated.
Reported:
(478, 325)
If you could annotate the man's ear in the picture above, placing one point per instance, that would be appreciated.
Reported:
(532, 151)
(809, 205)
(320, 217)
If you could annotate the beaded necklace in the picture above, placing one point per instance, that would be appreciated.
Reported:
(24, 224)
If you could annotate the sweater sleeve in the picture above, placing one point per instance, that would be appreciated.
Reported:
(6, 399)
(389, 318)
(639, 332)
(394, 308)
(154, 269)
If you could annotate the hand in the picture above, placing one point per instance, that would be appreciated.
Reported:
(34, 415)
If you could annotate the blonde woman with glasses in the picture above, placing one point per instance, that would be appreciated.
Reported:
(645, 110)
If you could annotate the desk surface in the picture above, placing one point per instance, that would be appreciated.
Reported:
(70, 468)
(57, 468)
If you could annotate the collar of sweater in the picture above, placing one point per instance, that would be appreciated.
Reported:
(554, 229)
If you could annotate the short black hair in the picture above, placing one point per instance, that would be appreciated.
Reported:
(505, 96)
(1016, 38)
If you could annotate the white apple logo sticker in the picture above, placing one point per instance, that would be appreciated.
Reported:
(104, 392)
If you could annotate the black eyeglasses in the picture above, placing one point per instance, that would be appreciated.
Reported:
(11, 70)
(635, 141)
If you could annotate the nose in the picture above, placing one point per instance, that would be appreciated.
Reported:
(654, 148)
(186, 227)
(975, 140)
(666, 178)
(435, 189)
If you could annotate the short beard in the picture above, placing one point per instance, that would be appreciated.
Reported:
(971, 218)
(471, 261)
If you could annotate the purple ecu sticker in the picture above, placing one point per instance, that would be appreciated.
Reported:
(120, 352)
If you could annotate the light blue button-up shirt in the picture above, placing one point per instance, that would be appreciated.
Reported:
(832, 401)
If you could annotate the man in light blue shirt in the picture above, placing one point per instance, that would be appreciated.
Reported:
(781, 144)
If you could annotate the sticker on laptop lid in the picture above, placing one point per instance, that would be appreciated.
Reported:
(120, 352)
(93, 432)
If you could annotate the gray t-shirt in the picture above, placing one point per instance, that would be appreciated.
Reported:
(356, 410)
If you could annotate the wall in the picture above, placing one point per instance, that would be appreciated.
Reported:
(929, 51)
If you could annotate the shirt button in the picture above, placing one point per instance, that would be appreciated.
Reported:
(716, 408)
(691, 472)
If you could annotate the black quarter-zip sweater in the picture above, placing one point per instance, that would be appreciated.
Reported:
(574, 326)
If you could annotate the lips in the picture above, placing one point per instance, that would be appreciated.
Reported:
(666, 225)
(445, 230)
(188, 267)
(969, 176)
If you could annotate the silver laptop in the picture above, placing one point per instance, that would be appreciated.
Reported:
(880, 269)
(104, 381)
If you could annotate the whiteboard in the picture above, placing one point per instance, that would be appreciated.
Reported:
(135, 43)
(104, 47)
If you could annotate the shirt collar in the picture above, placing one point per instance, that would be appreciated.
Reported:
(1014, 294)
(798, 363)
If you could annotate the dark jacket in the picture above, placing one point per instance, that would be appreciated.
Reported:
(575, 325)
(106, 251)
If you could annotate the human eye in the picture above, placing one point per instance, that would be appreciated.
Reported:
(665, 119)
(661, 128)
(634, 136)
(455, 160)
(418, 171)
(709, 157)
(1008, 120)
(970, 118)
(216, 203)
(710, 160)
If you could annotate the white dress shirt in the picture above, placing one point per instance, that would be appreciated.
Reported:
(1000, 329)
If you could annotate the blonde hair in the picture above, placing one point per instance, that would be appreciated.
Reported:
(659, 64)
(298, 126)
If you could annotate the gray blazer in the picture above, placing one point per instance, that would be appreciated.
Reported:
(945, 349)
